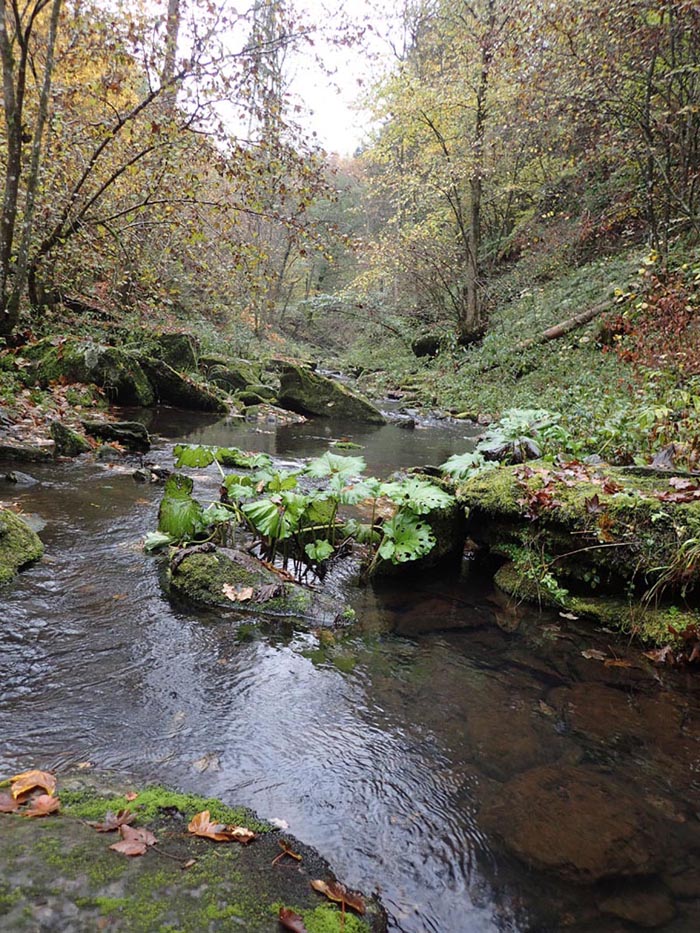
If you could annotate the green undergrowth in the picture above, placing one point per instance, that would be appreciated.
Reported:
(328, 920)
(152, 802)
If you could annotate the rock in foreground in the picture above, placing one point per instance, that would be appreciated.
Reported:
(19, 545)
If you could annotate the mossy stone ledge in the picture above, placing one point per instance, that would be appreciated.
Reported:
(602, 542)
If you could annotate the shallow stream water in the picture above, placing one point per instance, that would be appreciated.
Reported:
(396, 750)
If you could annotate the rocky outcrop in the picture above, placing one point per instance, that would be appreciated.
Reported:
(174, 388)
(232, 375)
(177, 350)
(224, 578)
(115, 371)
(308, 393)
(19, 545)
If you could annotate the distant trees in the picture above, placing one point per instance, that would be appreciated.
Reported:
(130, 161)
(497, 108)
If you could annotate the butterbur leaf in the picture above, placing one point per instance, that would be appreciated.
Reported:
(319, 550)
(335, 891)
(291, 921)
(193, 455)
(418, 495)
(8, 804)
(330, 464)
(179, 515)
(29, 780)
(114, 820)
(405, 538)
(133, 841)
(155, 540)
(43, 805)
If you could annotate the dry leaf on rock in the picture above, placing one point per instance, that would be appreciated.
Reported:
(114, 820)
(286, 850)
(291, 921)
(134, 841)
(236, 594)
(201, 825)
(592, 654)
(8, 804)
(335, 891)
(43, 805)
(29, 780)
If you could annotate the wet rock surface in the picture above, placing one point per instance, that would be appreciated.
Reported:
(57, 875)
(19, 545)
(130, 434)
(308, 393)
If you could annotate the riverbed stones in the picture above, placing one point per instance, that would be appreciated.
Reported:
(309, 393)
(19, 545)
(645, 904)
(575, 822)
(24, 453)
(130, 434)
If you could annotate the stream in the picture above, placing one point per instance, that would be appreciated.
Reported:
(396, 751)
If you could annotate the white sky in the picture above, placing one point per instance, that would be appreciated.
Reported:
(329, 101)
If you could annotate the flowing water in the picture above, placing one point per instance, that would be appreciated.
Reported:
(390, 750)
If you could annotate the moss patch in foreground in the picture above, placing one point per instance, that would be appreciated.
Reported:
(152, 802)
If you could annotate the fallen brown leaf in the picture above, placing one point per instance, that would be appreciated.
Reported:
(592, 654)
(237, 595)
(43, 805)
(130, 796)
(114, 820)
(291, 921)
(28, 780)
(8, 804)
(335, 891)
(134, 841)
(201, 825)
(286, 850)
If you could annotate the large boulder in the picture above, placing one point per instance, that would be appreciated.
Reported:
(19, 545)
(307, 393)
(67, 442)
(115, 371)
(174, 388)
(177, 350)
(223, 578)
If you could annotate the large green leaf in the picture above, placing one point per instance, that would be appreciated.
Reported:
(180, 516)
(277, 517)
(319, 550)
(155, 540)
(462, 466)
(405, 538)
(417, 495)
(330, 464)
(193, 455)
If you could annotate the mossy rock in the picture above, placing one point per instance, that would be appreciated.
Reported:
(174, 388)
(177, 350)
(68, 443)
(231, 375)
(24, 453)
(203, 576)
(130, 434)
(59, 873)
(266, 393)
(19, 545)
(308, 393)
(115, 371)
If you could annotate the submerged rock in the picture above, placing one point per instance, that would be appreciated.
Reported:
(130, 434)
(308, 393)
(645, 904)
(19, 545)
(224, 578)
(576, 822)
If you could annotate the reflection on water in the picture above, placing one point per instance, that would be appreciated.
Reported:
(391, 753)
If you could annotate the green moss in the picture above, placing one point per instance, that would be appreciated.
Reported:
(150, 804)
(311, 394)
(19, 545)
(328, 919)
